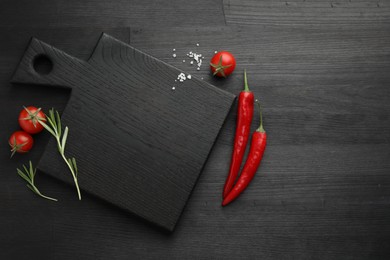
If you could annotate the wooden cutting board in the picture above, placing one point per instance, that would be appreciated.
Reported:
(138, 144)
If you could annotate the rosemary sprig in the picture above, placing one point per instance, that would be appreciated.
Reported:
(55, 129)
(28, 175)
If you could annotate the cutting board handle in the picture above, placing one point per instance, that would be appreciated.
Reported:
(45, 65)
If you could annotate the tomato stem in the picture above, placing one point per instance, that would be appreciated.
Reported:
(219, 68)
(16, 147)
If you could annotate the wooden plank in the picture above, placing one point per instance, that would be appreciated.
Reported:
(308, 13)
(139, 145)
(27, 221)
(319, 196)
(317, 86)
(309, 201)
(327, 200)
(103, 13)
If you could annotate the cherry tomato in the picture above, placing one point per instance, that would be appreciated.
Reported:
(29, 119)
(20, 142)
(222, 64)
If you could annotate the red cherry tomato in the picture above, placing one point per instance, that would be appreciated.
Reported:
(29, 119)
(20, 142)
(222, 64)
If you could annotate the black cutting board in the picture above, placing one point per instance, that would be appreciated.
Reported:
(139, 144)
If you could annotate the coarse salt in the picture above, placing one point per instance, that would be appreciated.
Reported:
(181, 77)
(194, 58)
(197, 57)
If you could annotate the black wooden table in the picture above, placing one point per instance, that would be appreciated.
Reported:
(322, 72)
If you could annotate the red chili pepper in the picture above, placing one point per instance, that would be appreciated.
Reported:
(243, 126)
(258, 143)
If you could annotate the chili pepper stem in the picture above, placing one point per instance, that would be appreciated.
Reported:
(260, 129)
(246, 87)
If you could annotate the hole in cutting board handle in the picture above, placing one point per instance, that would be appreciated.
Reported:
(42, 64)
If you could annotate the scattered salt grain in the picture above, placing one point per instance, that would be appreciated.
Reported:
(215, 51)
(196, 57)
(181, 77)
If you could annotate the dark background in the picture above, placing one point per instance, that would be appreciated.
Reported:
(322, 72)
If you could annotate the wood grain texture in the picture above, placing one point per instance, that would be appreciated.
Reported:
(317, 87)
(28, 230)
(323, 189)
(110, 14)
(308, 13)
(139, 145)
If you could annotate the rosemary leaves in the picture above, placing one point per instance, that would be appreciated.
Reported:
(28, 174)
(54, 127)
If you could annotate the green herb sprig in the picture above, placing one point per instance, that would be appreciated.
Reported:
(55, 129)
(28, 174)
